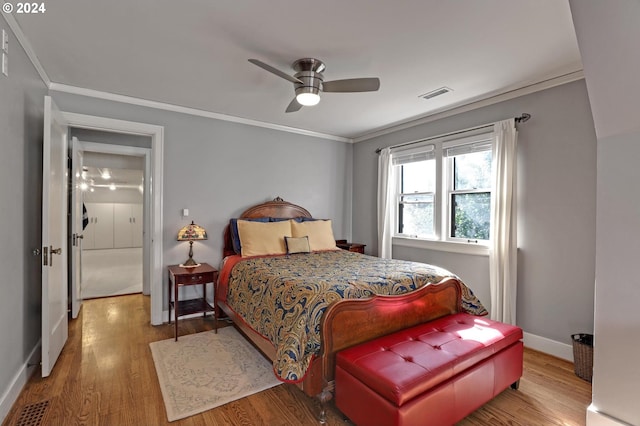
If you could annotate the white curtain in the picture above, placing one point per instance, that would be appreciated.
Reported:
(503, 268)
(385, 203)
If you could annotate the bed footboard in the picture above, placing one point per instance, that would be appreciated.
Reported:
(350, 322)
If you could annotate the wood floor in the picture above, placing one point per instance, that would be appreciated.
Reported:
(106, 376)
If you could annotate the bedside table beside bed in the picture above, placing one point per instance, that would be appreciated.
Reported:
(181, 277)
(354, 247)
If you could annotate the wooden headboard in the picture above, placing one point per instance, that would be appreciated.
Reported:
(276, 208)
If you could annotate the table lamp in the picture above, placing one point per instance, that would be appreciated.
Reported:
(191, 233)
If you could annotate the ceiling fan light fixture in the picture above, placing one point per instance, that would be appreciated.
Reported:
(308, 82)
(308, 99)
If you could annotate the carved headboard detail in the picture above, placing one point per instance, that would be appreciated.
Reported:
(276, 208)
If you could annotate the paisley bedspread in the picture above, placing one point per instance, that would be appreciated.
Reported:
(284, 297)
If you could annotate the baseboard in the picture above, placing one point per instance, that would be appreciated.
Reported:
(165, 316)
(595, 418)
(548, 346)
(19, 381)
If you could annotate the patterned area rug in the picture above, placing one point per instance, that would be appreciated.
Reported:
(206, 370)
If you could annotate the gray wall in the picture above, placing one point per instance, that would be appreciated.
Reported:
(614, 91)
(556, 208)
(21, 123)
(217, 169)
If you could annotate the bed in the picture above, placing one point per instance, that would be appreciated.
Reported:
(352, 300)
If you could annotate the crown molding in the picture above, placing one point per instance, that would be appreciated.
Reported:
(58, 87)
(489, 100)
(26, 46)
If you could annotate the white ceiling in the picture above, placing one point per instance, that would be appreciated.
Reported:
(126, 170)
(194, 54)
(121, 178)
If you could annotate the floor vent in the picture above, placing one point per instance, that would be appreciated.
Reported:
(33, 414)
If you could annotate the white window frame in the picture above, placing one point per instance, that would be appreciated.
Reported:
(447, 189)
(444, 177)
(425, 152)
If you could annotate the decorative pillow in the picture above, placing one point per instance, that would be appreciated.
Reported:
(260, 238)
(297, 244)
(319, 232)
(233, 230)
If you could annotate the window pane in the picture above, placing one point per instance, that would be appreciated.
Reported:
(419, 177)
(471, 215)
(416, 215)
(472, 171)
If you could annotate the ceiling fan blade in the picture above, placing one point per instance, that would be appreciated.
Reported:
(352, 85)
(274, 71)
(294, 106)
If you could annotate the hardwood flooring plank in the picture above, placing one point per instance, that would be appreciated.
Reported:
(106, 376)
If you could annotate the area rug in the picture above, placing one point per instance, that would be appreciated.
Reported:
(206, 370)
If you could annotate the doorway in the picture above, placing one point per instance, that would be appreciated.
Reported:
(112, 192)
(152, 237)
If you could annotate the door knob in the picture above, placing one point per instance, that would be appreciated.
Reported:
(53, 251)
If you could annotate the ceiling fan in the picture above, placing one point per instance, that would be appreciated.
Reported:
(308, 82)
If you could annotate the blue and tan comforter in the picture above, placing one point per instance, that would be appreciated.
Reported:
(283, 297)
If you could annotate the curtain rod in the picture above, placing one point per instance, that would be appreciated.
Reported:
(523, 118)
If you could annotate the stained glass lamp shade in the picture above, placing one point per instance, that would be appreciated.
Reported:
(191, 233)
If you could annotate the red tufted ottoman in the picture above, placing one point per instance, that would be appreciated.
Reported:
(431, 374)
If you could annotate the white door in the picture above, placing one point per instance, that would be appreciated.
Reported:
(77, 235)
(122, 224)
(54, 236)
(102, 225)
(137, 229)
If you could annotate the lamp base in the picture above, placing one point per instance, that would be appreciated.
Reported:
(190, 263)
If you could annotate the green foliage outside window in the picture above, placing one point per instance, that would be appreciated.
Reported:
(471, 216)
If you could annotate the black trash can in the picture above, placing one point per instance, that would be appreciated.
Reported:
(583, 355)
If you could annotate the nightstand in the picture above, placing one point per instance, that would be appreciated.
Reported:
(180, 277)
(355, 247)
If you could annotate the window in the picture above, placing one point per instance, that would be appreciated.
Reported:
(416, 191)
(468, 183)
(444, 190)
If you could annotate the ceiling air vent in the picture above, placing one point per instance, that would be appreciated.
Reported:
(434, 93)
